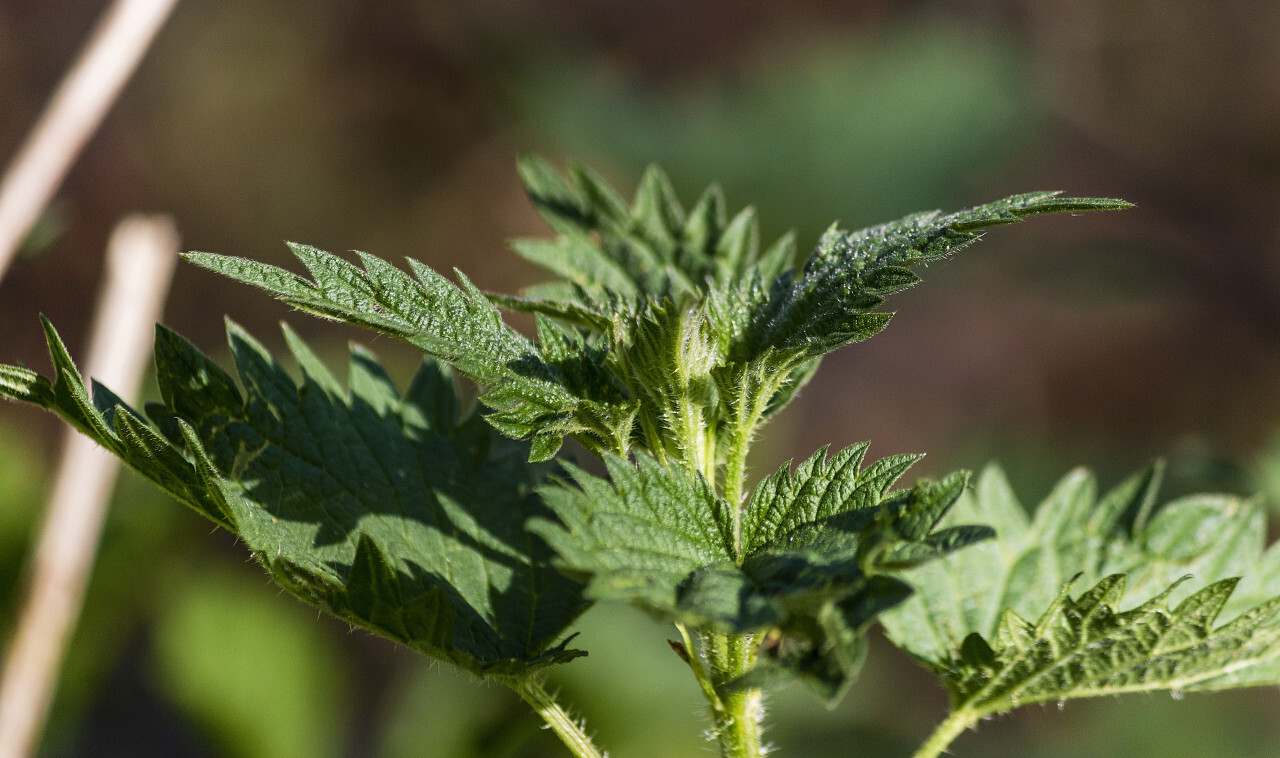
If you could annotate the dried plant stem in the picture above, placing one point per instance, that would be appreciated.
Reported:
(140, 259)
(73, 113)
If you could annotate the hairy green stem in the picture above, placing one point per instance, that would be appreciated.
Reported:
(735, 474)
(566, 728)
(654, 439)
(696, 665)
(697, 442)
(946, 733)
(749, 413)
(738, 713)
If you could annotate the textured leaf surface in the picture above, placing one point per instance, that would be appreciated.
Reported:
(827, 304)
(1096, 595)
(531, 396)
(812, 566)
(394, 512)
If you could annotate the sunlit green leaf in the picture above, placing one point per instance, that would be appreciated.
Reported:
(1096, 595)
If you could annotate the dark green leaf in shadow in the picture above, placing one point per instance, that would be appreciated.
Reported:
(395, 512)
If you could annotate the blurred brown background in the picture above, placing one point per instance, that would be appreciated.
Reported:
(393, 126)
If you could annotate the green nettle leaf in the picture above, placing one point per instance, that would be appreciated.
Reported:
(531, 396)
(1095, 596)
(395, 512)
(812, 566)
(827, 304)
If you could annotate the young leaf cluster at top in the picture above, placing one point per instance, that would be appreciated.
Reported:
(673, 331)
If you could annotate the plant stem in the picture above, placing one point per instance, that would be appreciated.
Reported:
(696, 665)
(566, 728)
(735, 474)
(946, 733)
(737, 713)
(748, 414)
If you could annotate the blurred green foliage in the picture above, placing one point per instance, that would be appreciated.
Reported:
(254, 668)
(857, 128)
(21, 491)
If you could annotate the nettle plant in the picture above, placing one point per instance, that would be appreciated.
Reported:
(670, 338)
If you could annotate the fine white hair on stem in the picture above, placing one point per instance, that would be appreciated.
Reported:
(140, 260)
(73, 113)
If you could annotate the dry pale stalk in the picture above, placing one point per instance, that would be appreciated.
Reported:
(140, 259)
(73, 113)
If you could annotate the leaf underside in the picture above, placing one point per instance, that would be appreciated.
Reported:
(1095, 595)
(397, 513)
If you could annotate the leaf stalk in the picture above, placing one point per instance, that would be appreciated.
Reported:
(697, 665)
(946, 733)
(557, 718)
